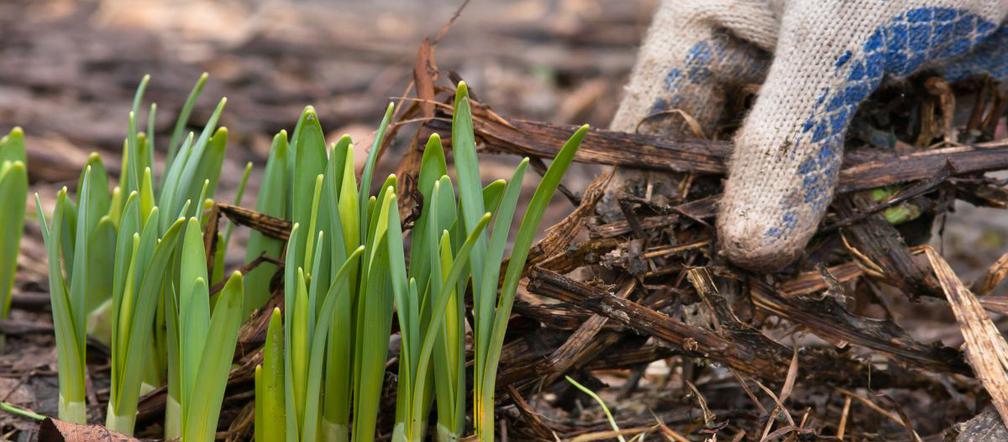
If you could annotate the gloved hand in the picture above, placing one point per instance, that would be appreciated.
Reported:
(820, 60)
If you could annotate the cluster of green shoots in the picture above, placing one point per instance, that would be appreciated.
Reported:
(346, 272)
(130, 262)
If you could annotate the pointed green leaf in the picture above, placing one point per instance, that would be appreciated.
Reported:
(201, 418)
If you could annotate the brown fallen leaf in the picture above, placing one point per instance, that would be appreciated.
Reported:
(55, 430)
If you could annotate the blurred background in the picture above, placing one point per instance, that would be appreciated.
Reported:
(68, 69)
(68, 72)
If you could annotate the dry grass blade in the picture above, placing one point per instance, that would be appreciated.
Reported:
(996, 273)
(986, 349)
(786, 390)
(891, 415)
(531, 419)
(607, 435)
(708, 416)
(670, 434)
(995, 303)
(842, 426)
(807, 283)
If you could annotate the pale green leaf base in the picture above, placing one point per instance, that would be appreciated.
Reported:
(173, 419)
(99, 323)
(399, 433)
(335, 432)
(446, 435)
(72, 411)
(146, 388)
(120, 424)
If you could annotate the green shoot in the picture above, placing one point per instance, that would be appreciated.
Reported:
(269, 385)
(492, 309)
(202, 401)
(14, 188)
(596, 398)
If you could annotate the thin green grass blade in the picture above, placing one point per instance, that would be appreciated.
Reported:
(498, 242)
(133, 154)
(374, 327)
(340, 356)
(194, 309)
(449, 356)
(143, 153)
(432, 168)
(299, 347)
(377, 225)
(173, 195)
(69, 345)
(123, 413)
(173, 403)
(455, 273)
(272, 200)
(369, 166)
(173, 173)
(139, 94)
(101, 197)
(470, 189)
(271, 413)
(312, 221)
(598, 400)
(516, 264)
(374, 322)
(409, 316)
(201, 203)
(147, 202)
(317, 356)
(149, 135)
(86, 222)
(183, 119)
(309, 149)
(122, 281)
(209, 166)
(239, 194)
(349, 206)
(101, 247)
(14, 188)
(472, 207)
(335, 168)
(316, 291)
(492, 195)
(200, 424)
(290, 287)
(260, 424)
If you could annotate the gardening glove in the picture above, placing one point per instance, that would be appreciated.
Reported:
(829, 56)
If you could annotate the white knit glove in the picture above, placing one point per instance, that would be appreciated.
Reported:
(829, 56)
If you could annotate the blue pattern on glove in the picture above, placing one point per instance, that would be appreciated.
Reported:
(897, 48)
(695, 70)
(705, 60)
(988, 58)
